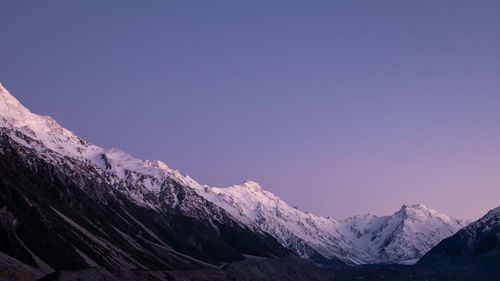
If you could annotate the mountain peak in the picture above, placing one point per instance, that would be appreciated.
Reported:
(415, 208)
(11, 109)
(495, 211)
(492, 213)
(419, 206)
(252, 185)
(157, 164)
(14, 115)
(8, 98)
(2, 88)
(420, 212)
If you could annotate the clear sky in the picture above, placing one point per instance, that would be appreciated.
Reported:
(338, 107)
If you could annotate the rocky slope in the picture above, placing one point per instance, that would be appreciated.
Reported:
(475, 248)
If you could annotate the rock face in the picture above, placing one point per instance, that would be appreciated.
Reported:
(475, 248)
(66, 204)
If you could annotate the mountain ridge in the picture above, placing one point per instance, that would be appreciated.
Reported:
(474, 248)
(371, 239)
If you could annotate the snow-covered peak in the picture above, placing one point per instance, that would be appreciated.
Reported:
(13, 115)
(250, 195)
(157, 164)
(415, 208)
(418, 208)
(184, 179)
(402, 237)
(18, 115)
(11, 108)
(43, 128)
(420, 212)
(251, 185)
(150, 173)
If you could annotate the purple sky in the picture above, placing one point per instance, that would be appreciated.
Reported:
(338, 107)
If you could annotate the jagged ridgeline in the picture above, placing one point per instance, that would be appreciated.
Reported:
(68, 205)
(61, 211)
(475, 248)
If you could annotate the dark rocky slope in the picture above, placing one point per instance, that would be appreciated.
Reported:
(58, 217)
(475, 248)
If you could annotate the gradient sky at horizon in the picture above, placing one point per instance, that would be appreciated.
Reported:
(338, 107)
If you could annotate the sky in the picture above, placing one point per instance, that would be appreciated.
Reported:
(338, 107)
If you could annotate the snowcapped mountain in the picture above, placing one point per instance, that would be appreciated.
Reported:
(403, 237)
(475, 248)
(240, 219)
(68, 205)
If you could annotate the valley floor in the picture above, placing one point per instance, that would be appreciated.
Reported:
(279, 269)
(405, 273)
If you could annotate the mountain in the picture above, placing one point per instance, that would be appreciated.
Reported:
(475, 248)
(66, 205)
(403, 237)
(69, 206)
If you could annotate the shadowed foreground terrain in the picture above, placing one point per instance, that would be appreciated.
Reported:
(406, 273)
(289, 268)
(251, 269)
(285, 268)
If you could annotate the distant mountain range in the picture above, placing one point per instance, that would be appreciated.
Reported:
(67, 205)
(402, 237)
